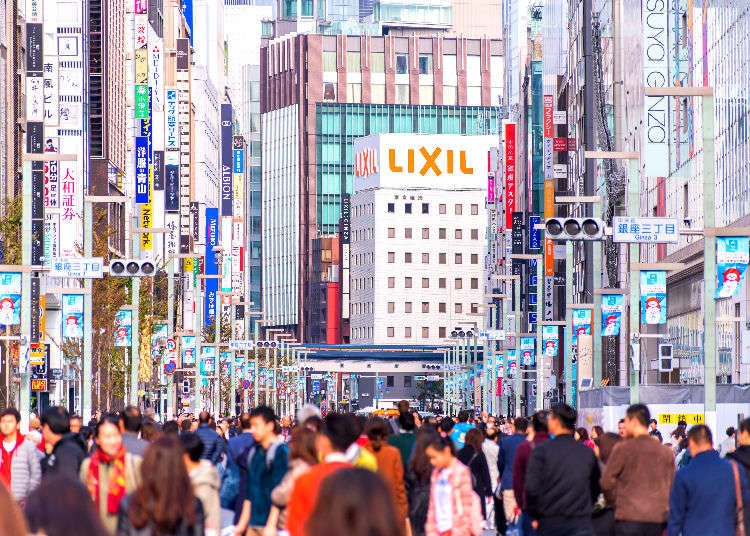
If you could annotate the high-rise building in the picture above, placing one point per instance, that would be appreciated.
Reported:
(318, 94)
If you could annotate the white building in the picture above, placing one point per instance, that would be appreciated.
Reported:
(418, 236)
(207, 145)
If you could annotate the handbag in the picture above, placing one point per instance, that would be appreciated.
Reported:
(739, 529)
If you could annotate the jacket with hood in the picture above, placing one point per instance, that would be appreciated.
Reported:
(25, 471)
(742, 456)
(66, 457)
(206, 484)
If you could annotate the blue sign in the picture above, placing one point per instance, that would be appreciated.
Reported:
(535, 235)
(611, 314)
(581, 323)
(238, 165)
(187, 12)
(550, 340)
(654, 297)
(732, 256)
(528, 357)
(141, 170)
(211, 266)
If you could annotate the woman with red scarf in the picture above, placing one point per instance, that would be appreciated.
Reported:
(110, 473)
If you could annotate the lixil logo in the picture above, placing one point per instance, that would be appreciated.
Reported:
(436, 161)
(365, 163)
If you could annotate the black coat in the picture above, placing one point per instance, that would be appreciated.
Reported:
(480, 472)
(742, 456)
(125, 528)
(418, 495)
(66, 457)
(562, 481)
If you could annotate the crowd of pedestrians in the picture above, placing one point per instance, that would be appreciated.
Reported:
(347, 475)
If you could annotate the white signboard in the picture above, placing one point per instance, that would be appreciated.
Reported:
(75, 267)
(559, 117)
(656, 56)
(492, 335)
(241, 345)
(560, 171)
(645, 230)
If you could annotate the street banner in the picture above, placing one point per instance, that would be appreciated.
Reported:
(732, 257)
(10, 299)
(654, 297)
(581, 323)
(550, 340)
(188, 350)
(512, 361)
(611, 314)
(528, 358)
(72, 316)
(208, 360)
(510, 173)
(158, 338)
(124, 328)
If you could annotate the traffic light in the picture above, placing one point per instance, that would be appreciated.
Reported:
(460, 333)
(132, 268)
(665, 357)
(574, 228)
(266, 344)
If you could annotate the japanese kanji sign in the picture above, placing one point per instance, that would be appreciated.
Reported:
(645, 230)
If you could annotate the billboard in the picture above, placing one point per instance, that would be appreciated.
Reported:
(211, 265)
(226, 160)
(10, 299)
(656, 57)
(654, 297)
(124, 328)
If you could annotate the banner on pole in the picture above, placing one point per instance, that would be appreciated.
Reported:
(124, 328)
(654, 297)
(512, 360)
(611, 314)
(72, 315)
(188, 350)
(581, 323)
(527, 351)
(732, 257)
(10, 299)
(550, 340)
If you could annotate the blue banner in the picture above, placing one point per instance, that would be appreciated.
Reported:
(732, 256)
(188, 350)
(124, 328)
(10, 299)
(227, 186)
(581, 323)
(211, 266)
(611, 314)
(72, 316)
(654, 297)
(528, 357)
(512, 354)
(141, 170)
(535, 235)
(550, 340)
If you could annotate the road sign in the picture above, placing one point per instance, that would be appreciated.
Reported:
(56, 374)
(77, 267)
(242, 345)
(492, 335)
(171, 345)
(246, 384)
(645, 230)
(169, 368)
(433, 378)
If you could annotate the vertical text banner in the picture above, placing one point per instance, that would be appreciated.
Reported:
(611, 314)
(212, 266)
(656, 56)
(732, 256)
(226, 161)
(510, 173)
(654, 297)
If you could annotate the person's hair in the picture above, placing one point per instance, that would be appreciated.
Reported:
(265, 413)
(539, 421)
(186, 425)
(360, 422)
(131, 419)
(700, 434)
(358, 503)
(204, 417)
(744, 426)
(406, 421)
(165, 497)
(583, 434)
(730, 431)
(420, 463)
(76, 416)
(377, 428)
(653, 421)
(170, 427)
(302, 446)
(474, 438)
(60, 507)
(193, 445)
(341, 429)
(440, 443)
(58, 419)
(13, 412)
(599, 431)
(149, 431)
(403, 406)
(446, 425)
(621, 421)
(245, 421)
(566, 415)
(640, 413)
(13, 520)
(107, 418)
(314, 423)
(463, 415)
(606, 443)
(521, 424)
(682, 423)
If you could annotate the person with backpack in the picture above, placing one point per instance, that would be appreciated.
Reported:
(267, 463)
(472, 456)
(458, 434)
(234, 473)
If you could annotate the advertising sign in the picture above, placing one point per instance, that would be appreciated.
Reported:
(211, 266)
(171, 188)
(644, 230)
(208, 360)
(183, 54)
(535, 235)
(581, 323)
(510, 173)
(549, 103)
(10, 299)
(732, 256)
(226, 160)
(654, 297)
(141, 169)
(550, 340)
(188, 350)
(72, 316)
(656, 57)
(172, 135)
(124, 328)
(611, 314)
(528, 357)
(159, 337)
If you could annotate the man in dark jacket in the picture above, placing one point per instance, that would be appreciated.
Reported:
(68, 449)
(742, 455)
(703, 493)
(505, 458)
(562, 480)
(520, 464)
(213, 446)
(131, 421)
(404, 438)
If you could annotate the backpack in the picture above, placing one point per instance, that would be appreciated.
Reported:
(230, 484)
(270, 453)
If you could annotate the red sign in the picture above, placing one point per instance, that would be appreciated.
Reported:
(572, 145)
(560, 144)
(510, 173)
(548, 116)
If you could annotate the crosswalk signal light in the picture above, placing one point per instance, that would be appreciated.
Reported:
(132, 268)
(574, 228)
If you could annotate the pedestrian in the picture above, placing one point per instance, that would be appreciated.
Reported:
(334, 438)
(562, 479)
(703, 499)
(728, 445)
(637, 478)
(65, 449)
(61, 507)
(742, 456)
(603, 516)
(596, 433)
(539, 435)
(131, 421)
(405, 437)
(286, 428)
(13, 522)
(164, 502)
(621, 427)
(234, 476)
(267, 463)
(390, 466)
(472, 456)
(357, 503)
(654, 432)
(446, 426)
(75, 423)
(505, 460)
(356, 454)
(678, 436)
(212, 443)
(149, 431)
(205, 480)
(111, 472)
(402, 406)
(491, 451)
(20, 469)
(458, 435)
(454, 506)
(302, 456)
(582, 435)
(418, 482)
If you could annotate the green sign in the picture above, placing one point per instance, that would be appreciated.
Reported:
(141, 101)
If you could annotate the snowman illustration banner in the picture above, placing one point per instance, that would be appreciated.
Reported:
(581, 323)
(10, 299)
(528, 359)
(550, 340)
(72, 316)
(188, 350)
(124, 328)
(732, 257)
(611, 314)
(512, 361)
(654, 297)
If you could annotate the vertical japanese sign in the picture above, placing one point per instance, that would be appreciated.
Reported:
(211, 267)
(550, 340)
(10, 299)
(732, 256)
(654, 297)
(510, 173)
(72, 316)
(528, 357)
(611, 314)
(141, 170)
(124, 328)
(226, 161)
(581, 323)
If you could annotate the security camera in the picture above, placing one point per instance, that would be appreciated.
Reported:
(688, 221)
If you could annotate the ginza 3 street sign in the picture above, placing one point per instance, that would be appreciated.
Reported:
(645, 230)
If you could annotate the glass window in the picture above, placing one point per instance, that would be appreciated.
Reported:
(391, 257)
(329, 91)
(353, 64)
(407, 332)
(474, 308)
(425, 258)
(450, 96)
(474, 210)
(441, 258)
(425, 282)
(353, 92)
(307, 8)
(441, 208)
(407, 282)
(425, 208)
(391, 207)
(474, 283)
(290, 9)
(441, 307)
(425, 64)
(441, 282)
(474, 258)
(407, 381)
(407, 208)
(391, 232)
(407, 257)
(459, 258)
(426, 96)
(458, 308)
(425, 307)
(377, 62)
(407, 232)
(379, 120)
(407, 307)
(458, 234)
(329, 62)
(425, 333)
(425, 233)
(266, 28)
(458, 283)
(402, 63)
(377, 96)
(391, 307)
(403, 121)
(459, 209)
(389, 331)
(441, 332)
(391, 282)
(402, 93)
(474, 96)
(449, 67)
(475, 234)
(441, 233)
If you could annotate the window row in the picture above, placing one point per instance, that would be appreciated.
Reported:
(458, 208)
(458, 258)
(458, 234)
(458, 308)
(363, 210)
(442, 332)
(458, 283)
